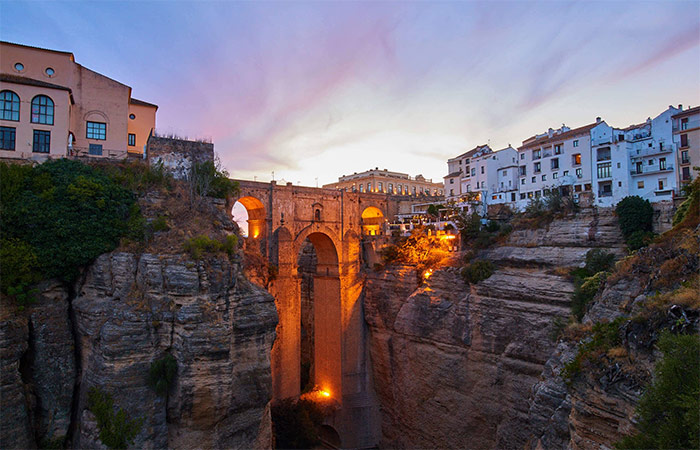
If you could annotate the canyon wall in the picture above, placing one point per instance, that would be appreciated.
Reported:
(454, 364)
(128, 311)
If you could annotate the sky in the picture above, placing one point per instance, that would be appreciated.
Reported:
(311, 91)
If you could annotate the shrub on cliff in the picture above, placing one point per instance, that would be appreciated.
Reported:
(584, 291)
(58, 216)
(669, 410)
(117, 430)
(211, 180)
(477, 271)
(161, 374)
(199, 245)
(635, 216)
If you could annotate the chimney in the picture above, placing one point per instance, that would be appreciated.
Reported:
(680, 107)
(597, 120)
(549, 132)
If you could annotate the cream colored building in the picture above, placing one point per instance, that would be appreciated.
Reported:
(383, 181)
(51, 106)
(686, 135)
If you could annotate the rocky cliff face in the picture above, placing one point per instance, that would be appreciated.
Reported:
(454, 365)
(127, 312)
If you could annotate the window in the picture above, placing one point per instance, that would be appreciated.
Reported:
(42, 141)
(391, 188)
(651, 162)
(96, 130)
(529, 195)
(369, 187)
(557, 149)
(19, 67)
(49, 71)
(354, 188)
(522, 156)
(684, 140)
(662, 163)
(604, 154)
(686, 174)
(482, 169)
(9, 102)
(132, 139)
(522, 196)
(662, 182)
(555, 175)
(605, 189)
(618, 165)
(621, 137)
(362, 188)
(452, 181)
(534, 179)
(639, 168)
(576, 159)
(566, 173)
(469, 188)
(538, 194)
(555, 163)
(576, 143)
(579, 173)
(414, 190)
(640, 185)
(604, 170)
(577, 188)
(684, 123)
(523, 171)
(452, 192)
(380, 187)
(95, 149)
(505, 173)
(587, 187)
(538, 167)
(473, 171)
(132, 116)
(317, 215)
(522, 181)
(7, 138)
(42, 110)
(684, 157)
(536, 154)
(544, 177)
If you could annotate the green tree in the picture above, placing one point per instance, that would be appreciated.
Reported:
(669, 410)
(634, 214)
(117, 430)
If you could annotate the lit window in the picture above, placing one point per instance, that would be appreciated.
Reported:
(42, 110)
(9, 104)
(576, 158)
(7, 138)
(96, 130)
(42, 141)
(132, 139)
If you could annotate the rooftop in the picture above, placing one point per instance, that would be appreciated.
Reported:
(135, 101)
(535, 141)
(17, 79)
(687, 112)
(38, 48)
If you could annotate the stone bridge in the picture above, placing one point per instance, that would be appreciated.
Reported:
(283, 219)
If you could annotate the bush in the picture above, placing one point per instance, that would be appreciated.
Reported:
(492, 226)
(584, 291)
(477, 271)
(598, 260)
(199, 245)
(160, 224)
(117, 431)
(639, 239)
(209, 179)
(58, 217)
(295, 423)
(161, 374)
(669, 410)
(634, 215)
(605, 335)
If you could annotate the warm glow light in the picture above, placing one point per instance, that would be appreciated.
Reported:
(427, 273)
(448, 236)
(325, 393)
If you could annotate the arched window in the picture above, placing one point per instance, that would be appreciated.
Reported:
(9, 102)
(317, 215)
(42, 110)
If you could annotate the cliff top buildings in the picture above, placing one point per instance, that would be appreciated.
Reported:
(51, 106)
(383, 181)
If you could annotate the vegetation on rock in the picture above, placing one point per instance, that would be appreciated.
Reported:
(117, 430)
(605, 335)
(477, 271)
(161, 374)
(635, 216)
(669, 410)
(419, 249)
(202, 244)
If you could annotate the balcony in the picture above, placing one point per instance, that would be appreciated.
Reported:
(651, 169)
(686, 126)
(652, 151)
(605, 193)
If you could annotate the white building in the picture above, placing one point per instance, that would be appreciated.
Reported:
(611, 165)
(502, 179)
(557, 158)
(461, 172)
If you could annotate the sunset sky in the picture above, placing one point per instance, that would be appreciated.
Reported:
(315, 90)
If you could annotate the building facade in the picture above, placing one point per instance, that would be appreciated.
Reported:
(51, 106)
(461, 176)
(383, 181)
(686, 136)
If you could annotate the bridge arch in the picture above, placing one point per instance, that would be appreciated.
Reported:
(372, 220)
(256, 216)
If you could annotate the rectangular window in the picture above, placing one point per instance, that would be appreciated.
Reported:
(354, 188)
(132, 139)
(686, 174)
(522, 156)
(523, 171)
(473, 171)
(577, 188)
(362, 188)
(42, 141)
(576, 143)
(557, 149)
(391, 188)
(576, 159)
(538, 167)
(369, 187)
(96, 130)
(662, 163)
(566, 173)
(512, 196)
(538, 194)
(380, 187)
(522, 181)
(684, 157)
(640, 185)
(452, 181)
(662, 182)
(536, 154)
(579, 173)
(604, 170)
(7, 138)
(522, 196)
(684, 124)
(544, 177)
(534, 179)
(604, 154)
(529, 195)
(639, 167)
(555, 163)
(555, 175)
(95, 149)
(482, 169)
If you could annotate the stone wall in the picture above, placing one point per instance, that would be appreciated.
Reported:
(177, 155)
